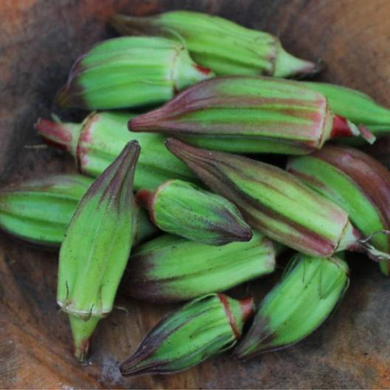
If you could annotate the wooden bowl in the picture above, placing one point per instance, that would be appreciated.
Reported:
(39, 40)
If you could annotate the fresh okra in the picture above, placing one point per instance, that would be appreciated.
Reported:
(204, 327)
(39, 211)
(357, 183)
(356, 106)
(181, 208)
(96, 248)
(97, 141)
(308, 292)
(219, 44)
(128, 72)
(249, 115)
(276, 203)
(171, 268)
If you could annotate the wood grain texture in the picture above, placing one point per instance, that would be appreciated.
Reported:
(39, 40)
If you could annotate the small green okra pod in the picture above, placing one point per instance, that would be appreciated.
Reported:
(128, 72)
(204, 327)
(181, 208)
(96, 248)
(98, 140)
(219, 44)
(249, 115)
(171, 268)
(39, 210)
(307, 294)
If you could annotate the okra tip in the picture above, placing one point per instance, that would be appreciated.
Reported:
(286, 65)
(342, 127)
(126, 161)
(372, 252)
(119, 174)
(118, 22)
(178, 148)
(241, 233)
(130, 25)
(63, 98)
(145, 122)
(128, 368)
(70, 96)
(129, 157)
(82, 331)
(56, 133)
(366, 134)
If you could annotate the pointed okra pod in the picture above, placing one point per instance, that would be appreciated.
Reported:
(96, 248)
(276, 202)
(307, 294)
(355, 106)
(171, 268)
(249, 115)
(39, 211)
(97, 141)
(219, 44)
(357, 183)
(183, 209)
(128, 72)
(204, 327)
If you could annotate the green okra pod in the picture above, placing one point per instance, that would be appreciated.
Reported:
(171, 268)
(204, 327)
(219, 44)
(39, 211)
(308, 292)
(276, 202)
(96, 248)
(249, 115)
(128, 72)
(359, 184)
(181, 208)
(356, 106)
(97, 141)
